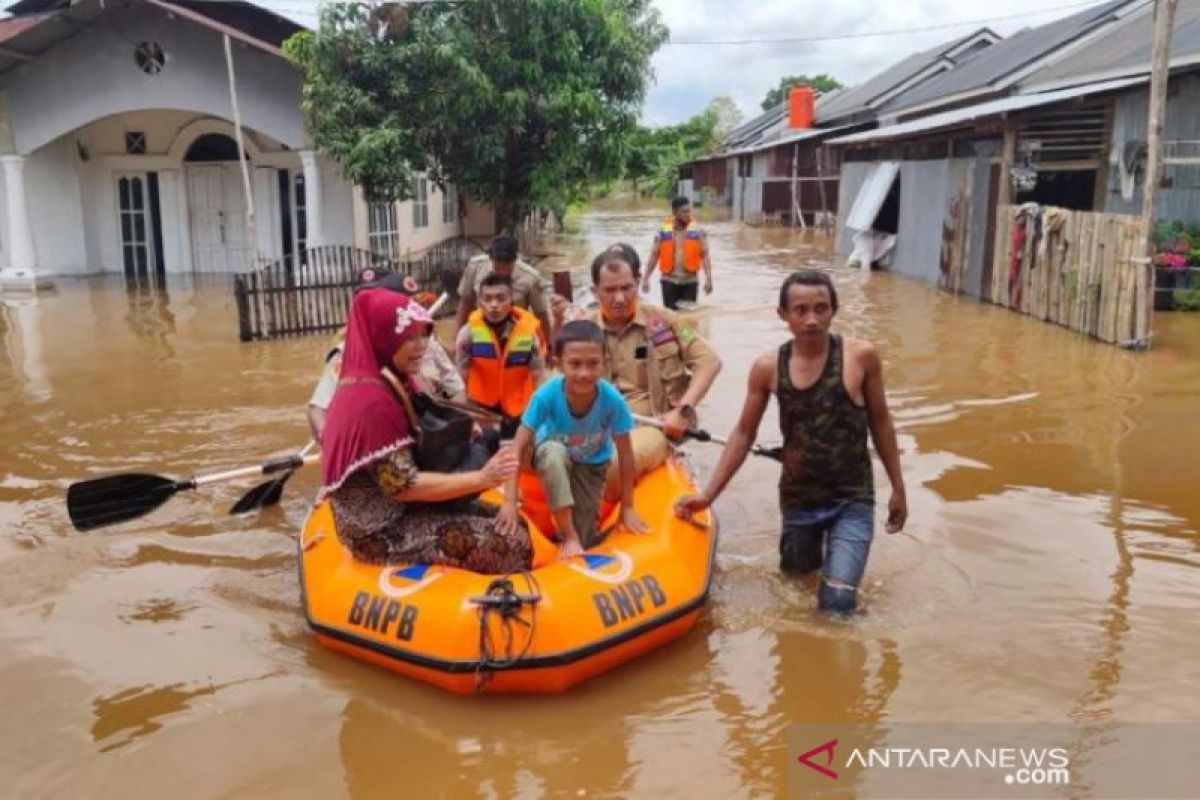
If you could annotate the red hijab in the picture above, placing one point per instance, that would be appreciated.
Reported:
(365, 421)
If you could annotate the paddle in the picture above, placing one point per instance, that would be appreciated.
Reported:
(106, 501)
(269, 492)
(701, 435)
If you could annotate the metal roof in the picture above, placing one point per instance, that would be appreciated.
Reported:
(1124, 50)
(960, 116)
(987, 71)
(865, 96)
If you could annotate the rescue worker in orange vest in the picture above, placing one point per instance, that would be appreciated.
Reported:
(499, 353)
(679, 251)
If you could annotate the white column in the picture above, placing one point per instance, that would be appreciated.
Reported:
(266, 207)
(22, 271)
(312, 197)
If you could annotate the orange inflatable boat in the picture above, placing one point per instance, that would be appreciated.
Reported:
(539, 631)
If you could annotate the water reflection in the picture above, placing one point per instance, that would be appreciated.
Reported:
(135, 712)
(23, 345)
(149, 314)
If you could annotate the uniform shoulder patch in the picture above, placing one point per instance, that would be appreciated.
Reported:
(687, 334)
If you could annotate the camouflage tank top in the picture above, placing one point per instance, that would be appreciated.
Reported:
(825, 456)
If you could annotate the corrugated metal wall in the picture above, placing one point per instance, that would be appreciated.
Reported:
(853, 174)
(1130, 124)
(978, 231)
(943, 217)
(924, 193)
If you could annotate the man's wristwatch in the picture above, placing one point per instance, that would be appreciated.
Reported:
(688, 411)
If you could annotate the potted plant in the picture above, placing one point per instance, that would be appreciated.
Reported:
(1174, 253)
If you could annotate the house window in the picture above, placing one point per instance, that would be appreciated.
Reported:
(150, 58)
(420, 203)
(136, 245)
(450, 204)
(383, 235)
(135, 143)
(300, 212)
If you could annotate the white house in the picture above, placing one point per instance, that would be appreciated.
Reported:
(119, 149)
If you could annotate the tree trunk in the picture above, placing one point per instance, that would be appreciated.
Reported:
(509, 214)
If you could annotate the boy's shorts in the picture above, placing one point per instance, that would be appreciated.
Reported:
(567, 483)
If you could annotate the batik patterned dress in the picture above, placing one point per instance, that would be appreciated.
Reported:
(381, 530)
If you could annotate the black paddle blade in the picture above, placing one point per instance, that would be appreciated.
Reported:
(117, 498)
(263, 495)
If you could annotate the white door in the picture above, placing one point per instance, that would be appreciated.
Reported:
(218, 218)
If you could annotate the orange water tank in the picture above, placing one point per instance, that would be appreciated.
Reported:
(800, 107)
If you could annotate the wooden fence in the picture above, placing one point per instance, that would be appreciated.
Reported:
(311, 294)
(1076, 269)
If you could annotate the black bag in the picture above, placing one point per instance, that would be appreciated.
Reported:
(444, 443)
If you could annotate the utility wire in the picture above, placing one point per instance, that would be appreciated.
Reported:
(832, 37)
(870, 34)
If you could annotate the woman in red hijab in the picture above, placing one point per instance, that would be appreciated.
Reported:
(368, 469)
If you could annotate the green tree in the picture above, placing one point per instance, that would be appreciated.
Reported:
(820, 83)
(521, 103)
(656, 153)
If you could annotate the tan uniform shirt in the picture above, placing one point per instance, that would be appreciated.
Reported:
(527, 285)
(652, 359)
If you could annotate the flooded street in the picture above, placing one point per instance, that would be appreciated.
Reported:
(1050, 570)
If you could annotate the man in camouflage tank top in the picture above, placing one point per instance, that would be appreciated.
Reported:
(830, 392)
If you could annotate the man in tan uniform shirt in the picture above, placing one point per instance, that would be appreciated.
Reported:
(657, 360)
(502, 258)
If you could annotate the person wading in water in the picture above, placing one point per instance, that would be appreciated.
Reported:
(830, 392)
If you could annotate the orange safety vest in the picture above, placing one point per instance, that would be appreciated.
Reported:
(502, 379)
(693, 248)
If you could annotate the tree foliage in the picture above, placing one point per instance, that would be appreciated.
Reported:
(819, 83)
(657, 153)
(520, 103)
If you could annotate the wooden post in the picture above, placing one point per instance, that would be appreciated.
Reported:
(1164, 19)
(1008, 154)
(562, 285)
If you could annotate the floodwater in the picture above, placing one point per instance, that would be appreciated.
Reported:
(1050, 570)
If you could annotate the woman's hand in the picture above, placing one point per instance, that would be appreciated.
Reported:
(500, 468)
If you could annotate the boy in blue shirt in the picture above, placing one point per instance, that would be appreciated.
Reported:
(575, 419)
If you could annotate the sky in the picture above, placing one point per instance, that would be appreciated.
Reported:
(688, 76)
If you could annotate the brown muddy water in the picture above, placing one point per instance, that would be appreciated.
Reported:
(1050, 570)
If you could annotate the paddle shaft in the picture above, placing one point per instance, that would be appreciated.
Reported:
(437, 304)
(281, 464)
(701, 435)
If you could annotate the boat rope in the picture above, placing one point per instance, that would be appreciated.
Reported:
(502, 601)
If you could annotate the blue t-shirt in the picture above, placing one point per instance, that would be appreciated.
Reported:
(588, 438)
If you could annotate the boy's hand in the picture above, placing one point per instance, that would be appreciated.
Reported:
(897, 512)
(632, 522)
(508, 521)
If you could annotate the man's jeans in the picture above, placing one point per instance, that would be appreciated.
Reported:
(836, 538)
